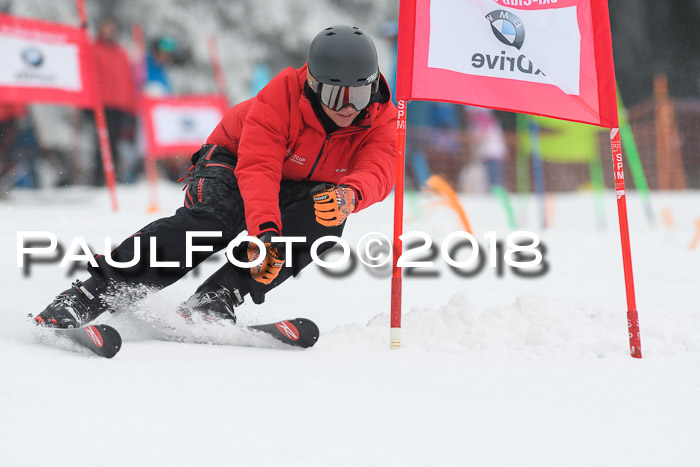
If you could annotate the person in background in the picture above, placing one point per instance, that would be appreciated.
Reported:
(158, 61)
(488, 142)
(261, 76)
(115, 80)
(443, 139)
(165, 52)
(19, 149)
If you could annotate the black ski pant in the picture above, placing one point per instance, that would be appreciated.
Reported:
(212, 203)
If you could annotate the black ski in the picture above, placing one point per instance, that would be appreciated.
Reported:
(103, 340)
(106, 342)
(299, 332)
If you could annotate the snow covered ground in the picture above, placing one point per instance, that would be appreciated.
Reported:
(494, 371)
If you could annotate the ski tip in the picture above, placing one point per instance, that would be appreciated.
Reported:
(297, 332)
(107, 340)
(310, 333)
(101, 339)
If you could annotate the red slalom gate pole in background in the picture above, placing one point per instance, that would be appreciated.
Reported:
(82, 15)
(149, 161)
(216, 66)
(632, 315)
(100, 121)
(395, 337)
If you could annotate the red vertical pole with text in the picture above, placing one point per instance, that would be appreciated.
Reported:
(100, 121)
(398, 226)
(632, 315)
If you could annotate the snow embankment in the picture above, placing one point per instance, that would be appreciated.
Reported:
(533, 325)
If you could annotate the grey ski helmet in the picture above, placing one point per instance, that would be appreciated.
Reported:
(342, 67)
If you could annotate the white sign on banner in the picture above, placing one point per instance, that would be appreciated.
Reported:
(33, 63)
(483, 38)
(175, 125)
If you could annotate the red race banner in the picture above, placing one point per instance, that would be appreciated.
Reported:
(542, 57)
(44, 62)
(177, 126)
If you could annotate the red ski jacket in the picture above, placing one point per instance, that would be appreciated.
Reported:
(114, 76)
(277, 136)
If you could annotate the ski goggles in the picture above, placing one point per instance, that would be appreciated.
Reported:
(336, 97)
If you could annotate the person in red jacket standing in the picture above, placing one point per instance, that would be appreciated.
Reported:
(116, 85)
(315, 145)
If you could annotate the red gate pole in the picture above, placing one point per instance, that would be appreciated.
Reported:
(82, 15)
(632, 316)
(100, 121)
(216, 66)
(149, 160)
(398, 226)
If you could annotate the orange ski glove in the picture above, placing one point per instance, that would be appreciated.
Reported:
(333, 203)
(268, 270)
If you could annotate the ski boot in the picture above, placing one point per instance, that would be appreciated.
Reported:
(72, 308)
(211, 302)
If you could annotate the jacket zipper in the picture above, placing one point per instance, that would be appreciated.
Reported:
(320, 153)
(318, 158)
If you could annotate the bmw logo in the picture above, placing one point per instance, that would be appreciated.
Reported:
(507, 28)
(187, 123)
(33, 57)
